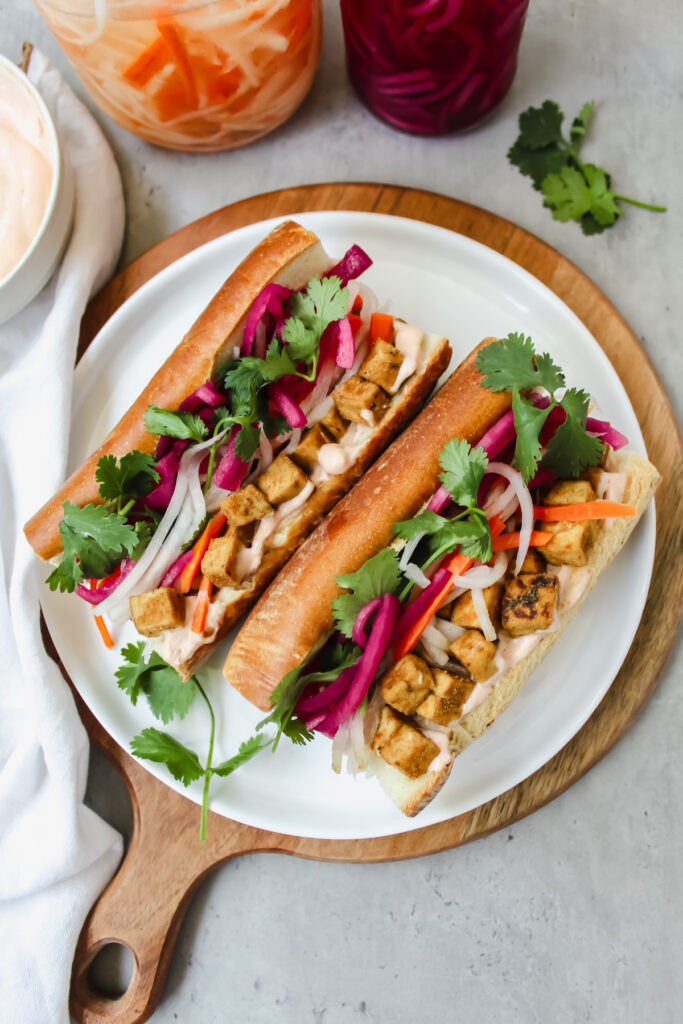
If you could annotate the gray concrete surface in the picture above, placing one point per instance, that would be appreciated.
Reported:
(573, 914)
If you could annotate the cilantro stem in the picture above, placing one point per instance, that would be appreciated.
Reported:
(207, 771)
(126, 508)
(643, 206)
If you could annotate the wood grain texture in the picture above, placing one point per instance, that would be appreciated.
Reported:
(145, 903)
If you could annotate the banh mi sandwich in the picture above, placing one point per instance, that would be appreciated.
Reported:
(414, 614)
(269, 409)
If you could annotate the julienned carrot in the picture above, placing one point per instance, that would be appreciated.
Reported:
(355, 321)
(583, 510)
(181, 58)
(506, 541)
(381, 326)
(455, 564)
(201, 608)
(104, 632)
(148, 63)
(211, 530)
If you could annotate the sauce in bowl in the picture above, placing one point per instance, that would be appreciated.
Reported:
(26, 169)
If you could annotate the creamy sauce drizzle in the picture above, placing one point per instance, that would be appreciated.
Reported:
(408, 341)
(26, 170)
(249, 559)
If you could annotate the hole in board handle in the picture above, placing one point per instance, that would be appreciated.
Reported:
(110, 972)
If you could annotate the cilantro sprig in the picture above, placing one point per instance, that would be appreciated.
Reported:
(378, 576)
(511, 364)
(169, 697)
(572, 190)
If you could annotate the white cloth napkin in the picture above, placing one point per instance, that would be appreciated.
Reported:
(56, 855)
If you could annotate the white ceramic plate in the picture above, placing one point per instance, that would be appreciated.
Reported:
(450, 285)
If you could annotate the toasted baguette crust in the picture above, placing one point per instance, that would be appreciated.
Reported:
(402, 409)
(291, 617)
(412, 795)
(290, 254)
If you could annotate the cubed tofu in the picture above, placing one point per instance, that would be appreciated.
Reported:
(476, 653)
(570, 492)
(407, 683)
(594, 476)
(533, 562)
(571, 542)
(282, 481)
(157, 610)
(529, 603)
(360, 401)
(244, 509)
(221, 561)
(388, 725)
(306, 455)
(449, 693)
(381, 365)
(333, 423)
(409, 751)
(463, 612)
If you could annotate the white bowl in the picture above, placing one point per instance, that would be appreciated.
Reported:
(38, 263)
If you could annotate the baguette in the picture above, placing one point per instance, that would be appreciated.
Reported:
(298, 604)
(424, 708)
(181, 630)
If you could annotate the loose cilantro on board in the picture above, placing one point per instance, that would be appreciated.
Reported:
(512, 365)
(572, 190)
(169, 697)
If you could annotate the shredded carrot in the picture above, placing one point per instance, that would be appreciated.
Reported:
(299, 23)
(381, 327)
(147, 64)
(201, 608)
(211, 530)
(456, 564)
(355, 321)
(583, 510)
(506, 541)
(104, 632)
(181, 58)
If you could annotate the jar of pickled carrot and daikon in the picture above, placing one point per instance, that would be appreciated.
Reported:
(192, 74)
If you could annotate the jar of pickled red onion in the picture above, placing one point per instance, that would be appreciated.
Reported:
(432, 66)
(192, 74)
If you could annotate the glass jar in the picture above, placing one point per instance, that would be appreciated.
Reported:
(191, 74)
(432, 66)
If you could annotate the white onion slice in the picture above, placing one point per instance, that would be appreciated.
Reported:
(408, 549)
(293, 442)
(181, 519)
(501, 501)
(340, 743)
(415, 574)
(482, 613)
(481, 576)
(525, 503)
(434, 636)
(449, 629)
(433, 653)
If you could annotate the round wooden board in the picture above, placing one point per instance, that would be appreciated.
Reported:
(145, 903)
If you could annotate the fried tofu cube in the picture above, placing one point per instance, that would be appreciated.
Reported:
(533, 562)
(244, 509)
(282, 481)
(388, 725)
(476, 653)
(360, 401)
(157, 610)
(448, 696)
(594, 476)
(464, 614)
(570, 492)
(409, 751)
(407, 683)
(381, 365)
(220, 564)
(529, 603)
(571, 542)
(306, 455)
(333, 423)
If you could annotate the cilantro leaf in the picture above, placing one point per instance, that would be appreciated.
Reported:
(143, 532)
(183, 425)
(246, 751)
(572, 190)
(571, 449)
(470, 532)
(512, 363)
(323, 302)
(247, 441)
(167, 695)
(94, 540)
(133, 477)
(302, 341)
(378, 576)
(463, 468)
(529, 422)
(581, 121)
(153, 745)
(424, 522)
